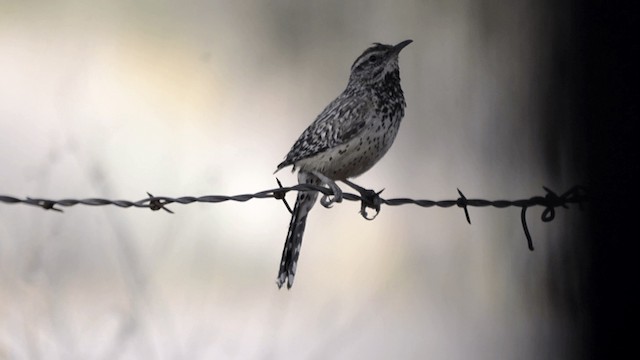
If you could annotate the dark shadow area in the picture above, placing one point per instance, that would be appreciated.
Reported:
(590, 106)
(606, 35)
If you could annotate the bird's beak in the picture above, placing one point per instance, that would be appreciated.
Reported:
(396, 49)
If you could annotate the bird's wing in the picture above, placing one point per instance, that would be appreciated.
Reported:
(352, 120)
(338, 123)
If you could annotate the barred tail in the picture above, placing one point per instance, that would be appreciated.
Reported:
(291, 251)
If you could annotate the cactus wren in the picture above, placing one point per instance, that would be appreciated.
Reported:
(350, 135)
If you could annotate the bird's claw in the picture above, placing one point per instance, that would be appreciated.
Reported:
(370, 199)
(328, 200)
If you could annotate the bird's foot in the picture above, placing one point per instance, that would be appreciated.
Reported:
(328, 200)
(368, 199)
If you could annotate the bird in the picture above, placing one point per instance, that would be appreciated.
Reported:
(348, 138)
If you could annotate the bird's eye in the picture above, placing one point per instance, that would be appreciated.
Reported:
(373, 59)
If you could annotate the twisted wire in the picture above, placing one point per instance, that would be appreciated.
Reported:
(368, 199)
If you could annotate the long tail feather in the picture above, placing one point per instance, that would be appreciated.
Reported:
(304, 202)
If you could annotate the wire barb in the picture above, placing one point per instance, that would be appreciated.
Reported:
(43, 203)
(156, 204)
(462, 202)
(367, 198)
(280, 195)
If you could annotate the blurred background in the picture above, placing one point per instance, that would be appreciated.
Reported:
(111, 99)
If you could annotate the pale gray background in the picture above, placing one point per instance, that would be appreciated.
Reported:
(115, 98)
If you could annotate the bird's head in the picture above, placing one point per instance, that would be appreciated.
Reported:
(376, 62)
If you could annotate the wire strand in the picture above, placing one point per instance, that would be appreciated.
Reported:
(368, 199)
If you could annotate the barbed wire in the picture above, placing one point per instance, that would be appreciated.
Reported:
(367, 198)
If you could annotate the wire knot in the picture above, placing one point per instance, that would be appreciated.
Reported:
(46, 204)
(156, 204)
(552, 200)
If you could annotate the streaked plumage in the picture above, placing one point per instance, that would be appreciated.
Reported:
(348, 137)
